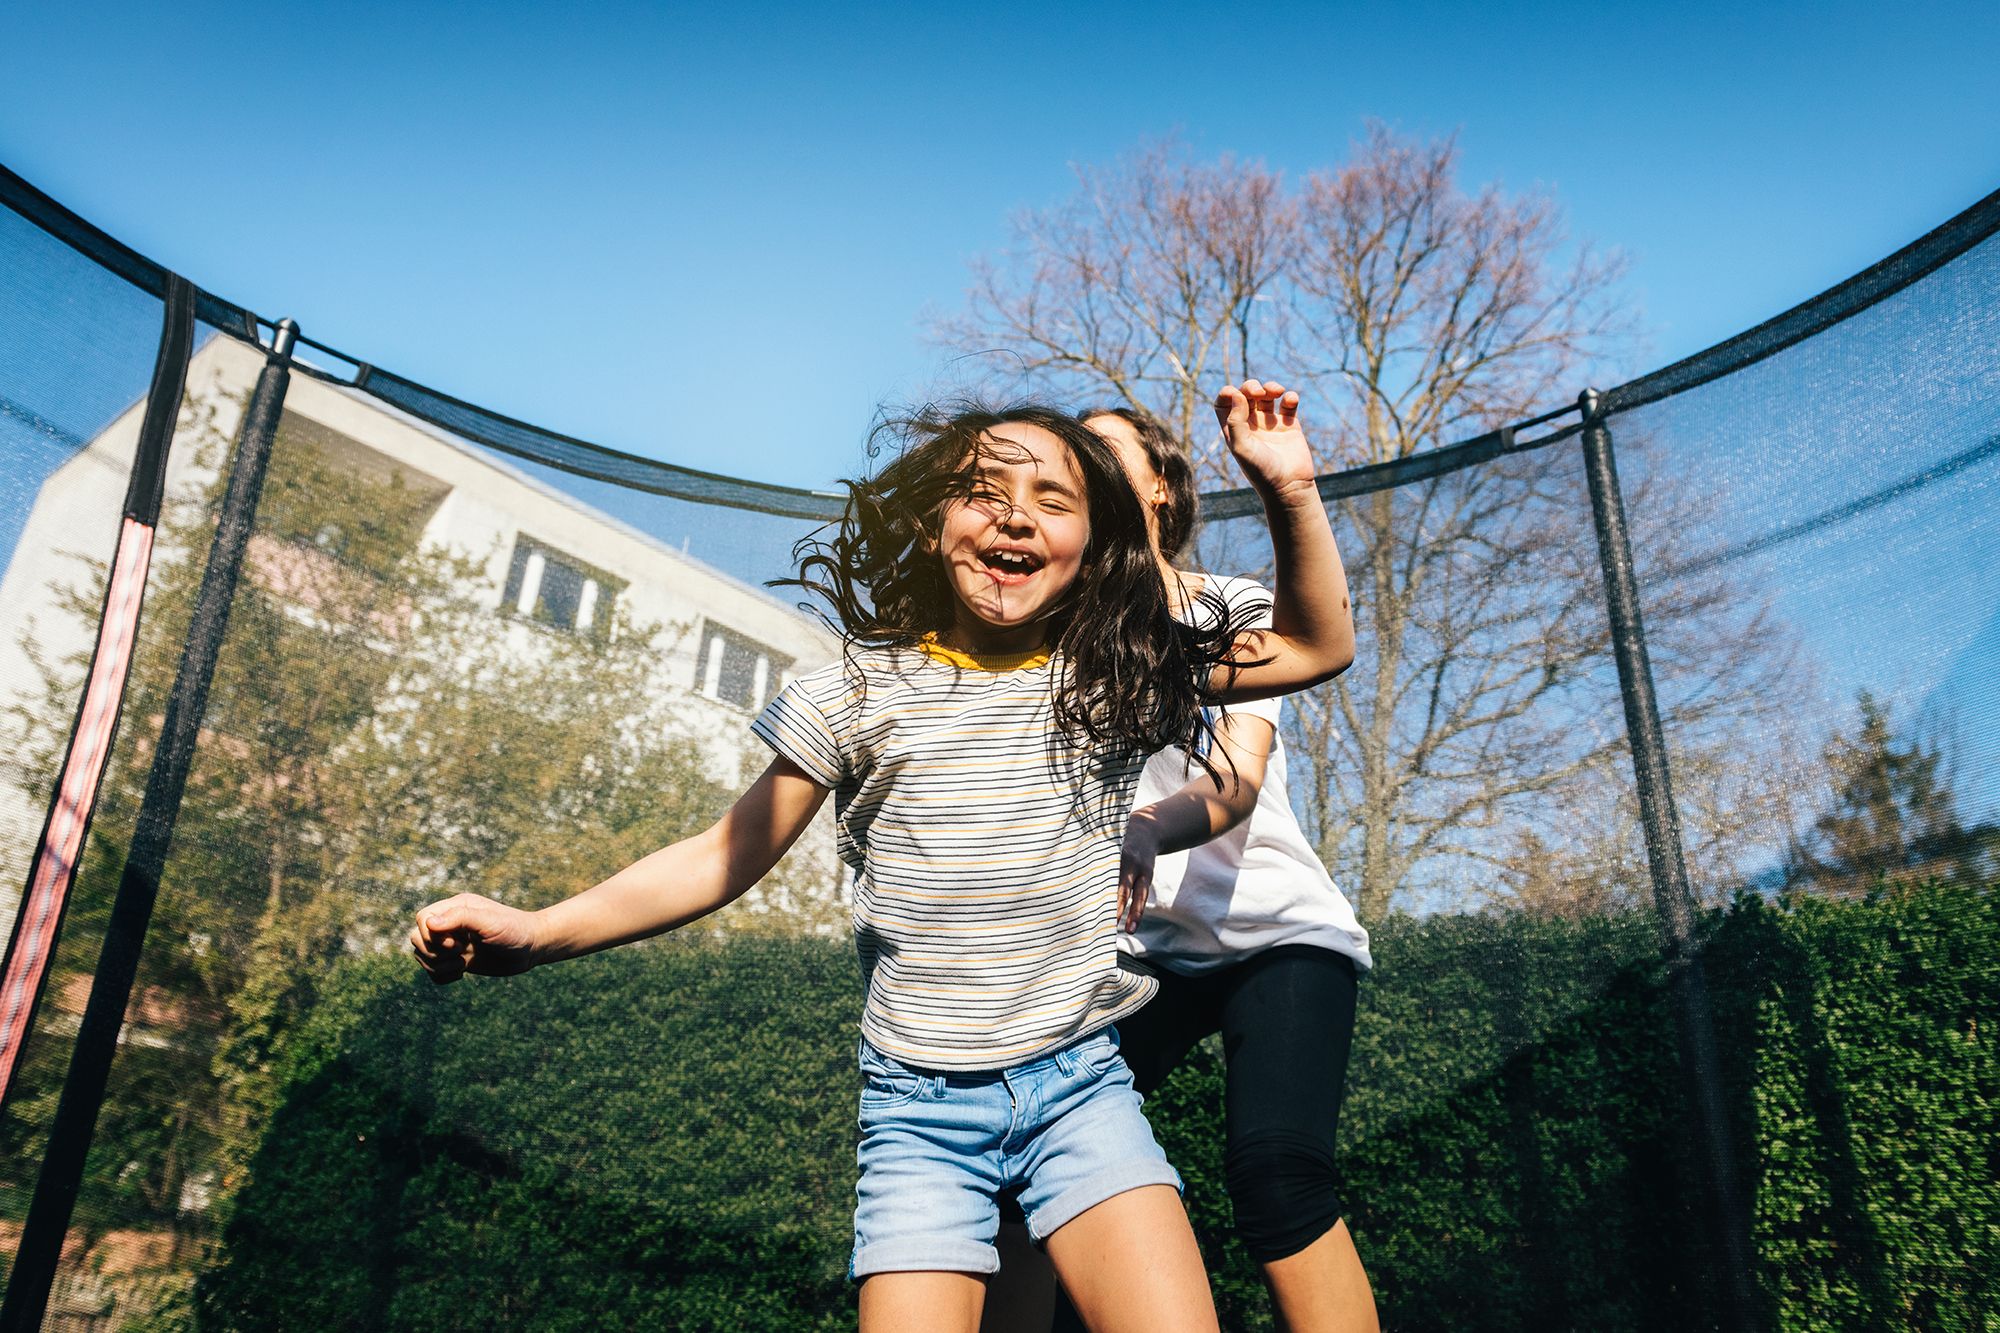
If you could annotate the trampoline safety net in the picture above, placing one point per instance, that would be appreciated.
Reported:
(290, 646)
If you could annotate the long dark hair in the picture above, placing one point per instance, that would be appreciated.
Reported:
(1179, 516)
(1129, 673)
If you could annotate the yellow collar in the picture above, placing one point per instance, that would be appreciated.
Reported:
(937, 652)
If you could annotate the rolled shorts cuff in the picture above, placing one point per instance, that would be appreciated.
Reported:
(924, 1254)
(1130, 1174)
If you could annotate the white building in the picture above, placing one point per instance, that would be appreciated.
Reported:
(552, 563)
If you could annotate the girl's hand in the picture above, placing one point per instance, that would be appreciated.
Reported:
(1260, 420)
(1135, 869)
(469, 933)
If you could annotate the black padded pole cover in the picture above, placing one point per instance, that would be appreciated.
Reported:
(1694, 1024)
(163, 404)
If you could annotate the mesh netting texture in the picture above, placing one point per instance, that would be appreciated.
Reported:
(467, 654)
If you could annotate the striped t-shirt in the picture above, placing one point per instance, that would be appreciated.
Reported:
(985, 850)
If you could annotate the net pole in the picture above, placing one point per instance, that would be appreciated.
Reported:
(24, 970)
(49, 1213)
(1672, 899)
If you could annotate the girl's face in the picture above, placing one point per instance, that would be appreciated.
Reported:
(1152, 488)
(1013, 547)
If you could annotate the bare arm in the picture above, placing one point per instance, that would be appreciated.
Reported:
(1205, 809)
(1311, 638)
(657, 893)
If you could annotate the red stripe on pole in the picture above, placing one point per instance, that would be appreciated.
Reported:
(76, 795)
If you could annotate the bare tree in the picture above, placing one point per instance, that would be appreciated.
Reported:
(1142, 290)
(1417, 314)
(1425, 314)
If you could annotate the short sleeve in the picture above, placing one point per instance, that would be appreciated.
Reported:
(807, 720)
(1248, 595)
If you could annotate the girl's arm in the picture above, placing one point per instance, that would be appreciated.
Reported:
(1205, 809)
(1311, 638)
(655, 894)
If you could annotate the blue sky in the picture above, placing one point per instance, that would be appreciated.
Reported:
(711, 235)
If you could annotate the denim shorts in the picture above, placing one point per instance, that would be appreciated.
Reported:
(1062, 1133)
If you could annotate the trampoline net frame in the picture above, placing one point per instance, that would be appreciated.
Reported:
(1741, 1080)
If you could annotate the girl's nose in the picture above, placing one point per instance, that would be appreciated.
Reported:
(1016, 518)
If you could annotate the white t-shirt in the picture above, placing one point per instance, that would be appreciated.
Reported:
(1256, 886)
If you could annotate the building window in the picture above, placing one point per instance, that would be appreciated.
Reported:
(558, 590)
(737, 669)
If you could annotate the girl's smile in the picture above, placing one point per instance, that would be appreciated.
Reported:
(1013, 547)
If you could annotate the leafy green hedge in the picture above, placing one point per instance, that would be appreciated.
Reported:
(652, 1138)
(663, 1136)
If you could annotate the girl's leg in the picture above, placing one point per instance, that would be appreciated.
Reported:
(1287, 1025)
(924, 1213)
(1131, 1265)
(1323, 1286)
(921, 1302)
(1024, 1296)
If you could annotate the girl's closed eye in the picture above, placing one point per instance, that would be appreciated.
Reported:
(1014, 547)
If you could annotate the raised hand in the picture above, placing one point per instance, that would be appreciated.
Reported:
(468, 933)
(1260, 419)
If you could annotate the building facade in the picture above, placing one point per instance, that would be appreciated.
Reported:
(548, 564)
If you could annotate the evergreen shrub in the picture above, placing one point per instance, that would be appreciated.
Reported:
(663, 1136)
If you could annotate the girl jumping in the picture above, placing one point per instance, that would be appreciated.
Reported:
(1222, 893)
(1011, 658)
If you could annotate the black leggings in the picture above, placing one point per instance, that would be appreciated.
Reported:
(1287, 1021)
(1286, 1016)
